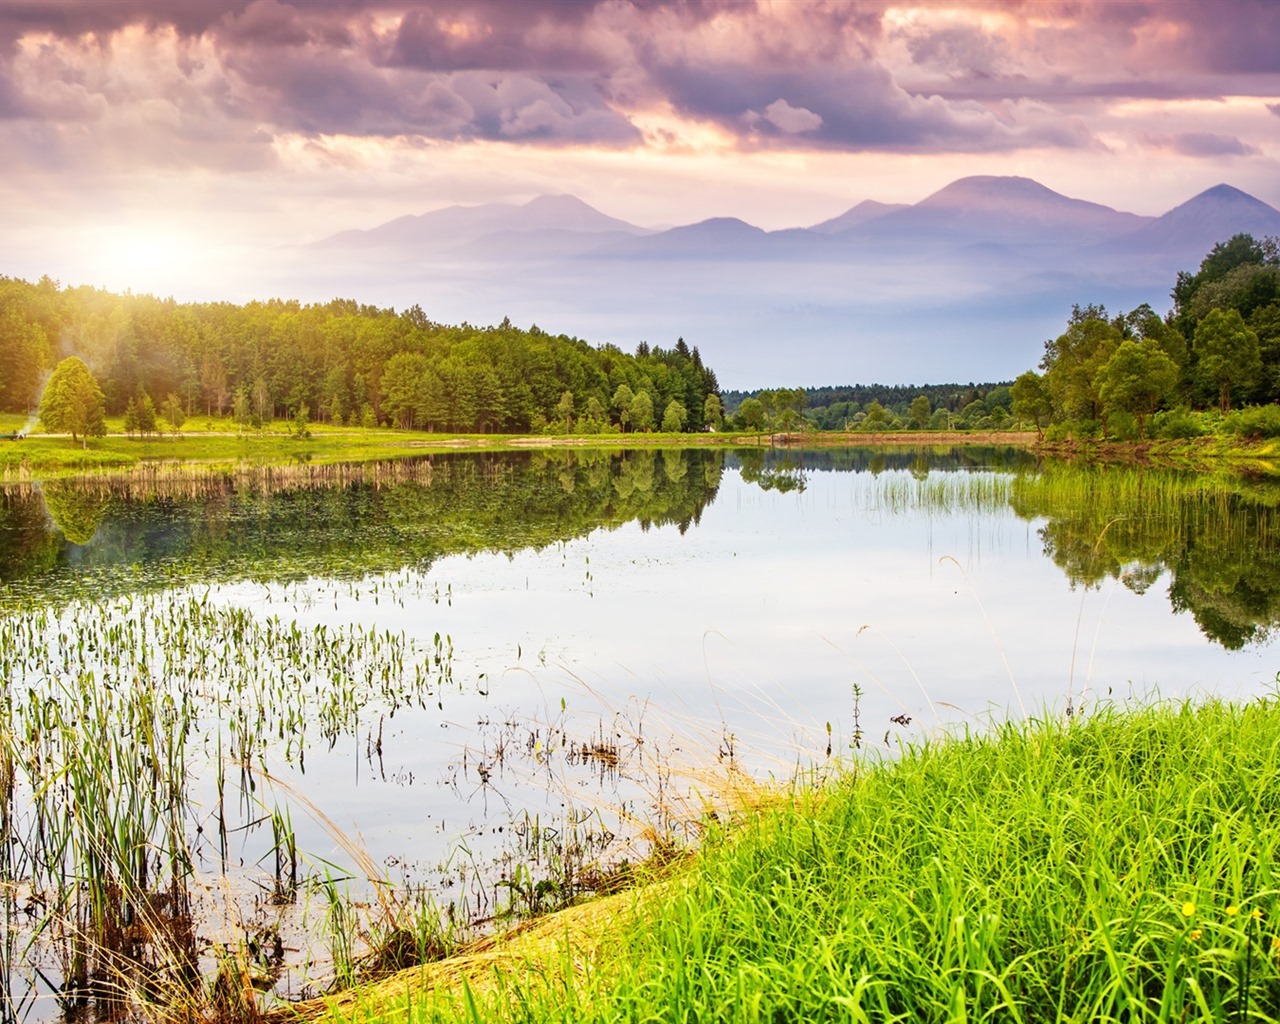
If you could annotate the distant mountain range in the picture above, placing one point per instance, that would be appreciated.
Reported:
(970, 212)
(965, 284)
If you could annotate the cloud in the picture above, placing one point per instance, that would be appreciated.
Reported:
(221, 79)
(788, 119)
(1201, 144)
(1274, 108)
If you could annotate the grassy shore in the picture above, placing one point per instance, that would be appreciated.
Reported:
(218, 443)
(1116, 867)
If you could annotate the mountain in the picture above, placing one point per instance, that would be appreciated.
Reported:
(1002, 209)
(1202, 221)
(459, 225)
(866, 210)
(717, 236)
(965, 284)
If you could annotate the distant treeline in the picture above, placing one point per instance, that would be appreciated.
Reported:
(847, 406)
(342, 362)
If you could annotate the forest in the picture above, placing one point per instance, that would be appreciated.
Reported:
(1211, 364)
(341, 362)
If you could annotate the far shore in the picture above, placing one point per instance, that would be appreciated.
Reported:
(38, 455)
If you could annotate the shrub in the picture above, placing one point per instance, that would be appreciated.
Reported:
(1176, 424)
(1255, 421)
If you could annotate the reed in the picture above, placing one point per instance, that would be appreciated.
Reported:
(105, 719)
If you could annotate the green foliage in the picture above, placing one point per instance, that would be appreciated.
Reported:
(920, 411)
(1072, 363)
(1227, 354)
(1031, 400)
(337, 358)
(1255, 422)
(173, 412)
(1177, 424)
(1136, 379)
(837, 408)
(673, 417)
(713, 411)
(1230, 312)
(877, 417)
(751, 414)
(73, 402)
(642, 411)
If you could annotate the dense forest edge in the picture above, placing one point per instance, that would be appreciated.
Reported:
(156, 364)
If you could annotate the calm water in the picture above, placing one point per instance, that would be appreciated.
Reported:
(603, 633)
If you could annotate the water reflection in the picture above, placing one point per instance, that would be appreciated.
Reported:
(1217, 536)
(1214, 534)
(116, 534)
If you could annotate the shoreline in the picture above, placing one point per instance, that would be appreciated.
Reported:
(46, 456)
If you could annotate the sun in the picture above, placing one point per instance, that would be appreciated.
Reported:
(137, 257)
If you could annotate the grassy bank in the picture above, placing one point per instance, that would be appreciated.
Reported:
(1119, 867)
(217, 442)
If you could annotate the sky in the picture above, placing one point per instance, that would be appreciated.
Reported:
(173, 146)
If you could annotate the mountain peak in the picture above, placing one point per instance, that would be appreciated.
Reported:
(868, 209)
(983, 188)
(1223, 191)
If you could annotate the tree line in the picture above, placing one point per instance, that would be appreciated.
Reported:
(340, 362)
(873, 407)
(1137, 374)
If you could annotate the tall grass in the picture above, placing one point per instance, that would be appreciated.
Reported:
(1120, 867)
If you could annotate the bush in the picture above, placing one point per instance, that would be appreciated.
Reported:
(1256, 421)
(1176, 425)
(1123, 426)
(1055, 432)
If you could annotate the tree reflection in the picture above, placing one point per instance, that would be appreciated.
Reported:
(322, 522)
(1217, 537)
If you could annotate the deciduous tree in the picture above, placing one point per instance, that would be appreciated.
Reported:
(73, 402)
(1227, 354)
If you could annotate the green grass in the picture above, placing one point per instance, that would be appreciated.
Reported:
(1120, 867)
(217, 442)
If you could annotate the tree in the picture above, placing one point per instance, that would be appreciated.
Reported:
(73, 402)
(1136, 379)
(1071, 363)
(674, 417)
(642, 411)
(751, 414)
(877, 417)
(622, 399)
(1031, 400)
(172, 411)
(242, 409)
(131, 418)
(1227, 354)
(146, 415)
(920, 410)
(713, 411)
(564, 410)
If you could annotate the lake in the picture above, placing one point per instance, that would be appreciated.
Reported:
(263, 708)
